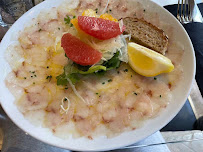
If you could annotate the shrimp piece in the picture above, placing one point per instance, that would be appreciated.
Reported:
(130, 101)
(24, 40)
(85, 127)
(59, 59)
(36, 56)
(81, 112)
(65, 130)
(42, 38)
(14, 55)
(144, 105)
(36, 117)
(119, 123)
(54, 114)
(109, 115)
(27, 76)
(54, 27)
(66, 8)
(34, 98)
(47, 16)
(16, 90)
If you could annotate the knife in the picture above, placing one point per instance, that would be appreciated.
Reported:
(196, 14)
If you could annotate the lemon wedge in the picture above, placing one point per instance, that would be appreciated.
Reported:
(147, 62)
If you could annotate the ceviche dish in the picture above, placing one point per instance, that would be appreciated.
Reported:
(93, 68)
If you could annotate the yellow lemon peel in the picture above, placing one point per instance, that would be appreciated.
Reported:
(147, 62)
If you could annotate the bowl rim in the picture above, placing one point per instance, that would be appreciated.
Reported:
(127, 143)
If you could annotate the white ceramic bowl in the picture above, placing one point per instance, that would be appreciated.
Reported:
(180, 94)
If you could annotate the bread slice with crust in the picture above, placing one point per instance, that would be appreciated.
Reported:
(146, 34)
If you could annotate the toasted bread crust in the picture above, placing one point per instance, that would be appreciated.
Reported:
(146, 34)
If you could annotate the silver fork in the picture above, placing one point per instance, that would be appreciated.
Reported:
(184, 11)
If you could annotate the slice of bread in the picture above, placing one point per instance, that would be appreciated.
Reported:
(146, 34)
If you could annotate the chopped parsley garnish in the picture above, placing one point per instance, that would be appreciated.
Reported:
(40, 30)
(160, 96)
(126, 70)
(96, 10)
(58, 28)
(96, 93)
(135, 93)
(49, 78)
(74, 16)
(110, 10)
(25, 78)
(110, 80)
(65, 99)
(103, 82)
(67, 19)
(155, 78)
(31, 76)
(66, 88)
(71, 25)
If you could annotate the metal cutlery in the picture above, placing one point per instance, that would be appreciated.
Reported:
(188, 12)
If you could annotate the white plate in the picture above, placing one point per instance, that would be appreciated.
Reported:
(179, 94)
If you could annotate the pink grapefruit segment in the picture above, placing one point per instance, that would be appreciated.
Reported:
(78, 51)
(100, 28)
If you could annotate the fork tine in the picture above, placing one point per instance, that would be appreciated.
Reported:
(178, 10)
(182, 12)
(185, 13)
(190, 12)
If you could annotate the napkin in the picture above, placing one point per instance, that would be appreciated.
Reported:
(195, 31)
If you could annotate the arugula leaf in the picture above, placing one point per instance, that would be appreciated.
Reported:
(73, 77)
(61, 79)
(72, 71)
(94, 69)
(113, 63)
(70, 68)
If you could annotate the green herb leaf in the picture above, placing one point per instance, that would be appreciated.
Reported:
(113, 63)
(74, 68)
(72, 71)
(61, 79)
(73, 77)
(67, 20)
(94, 69)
